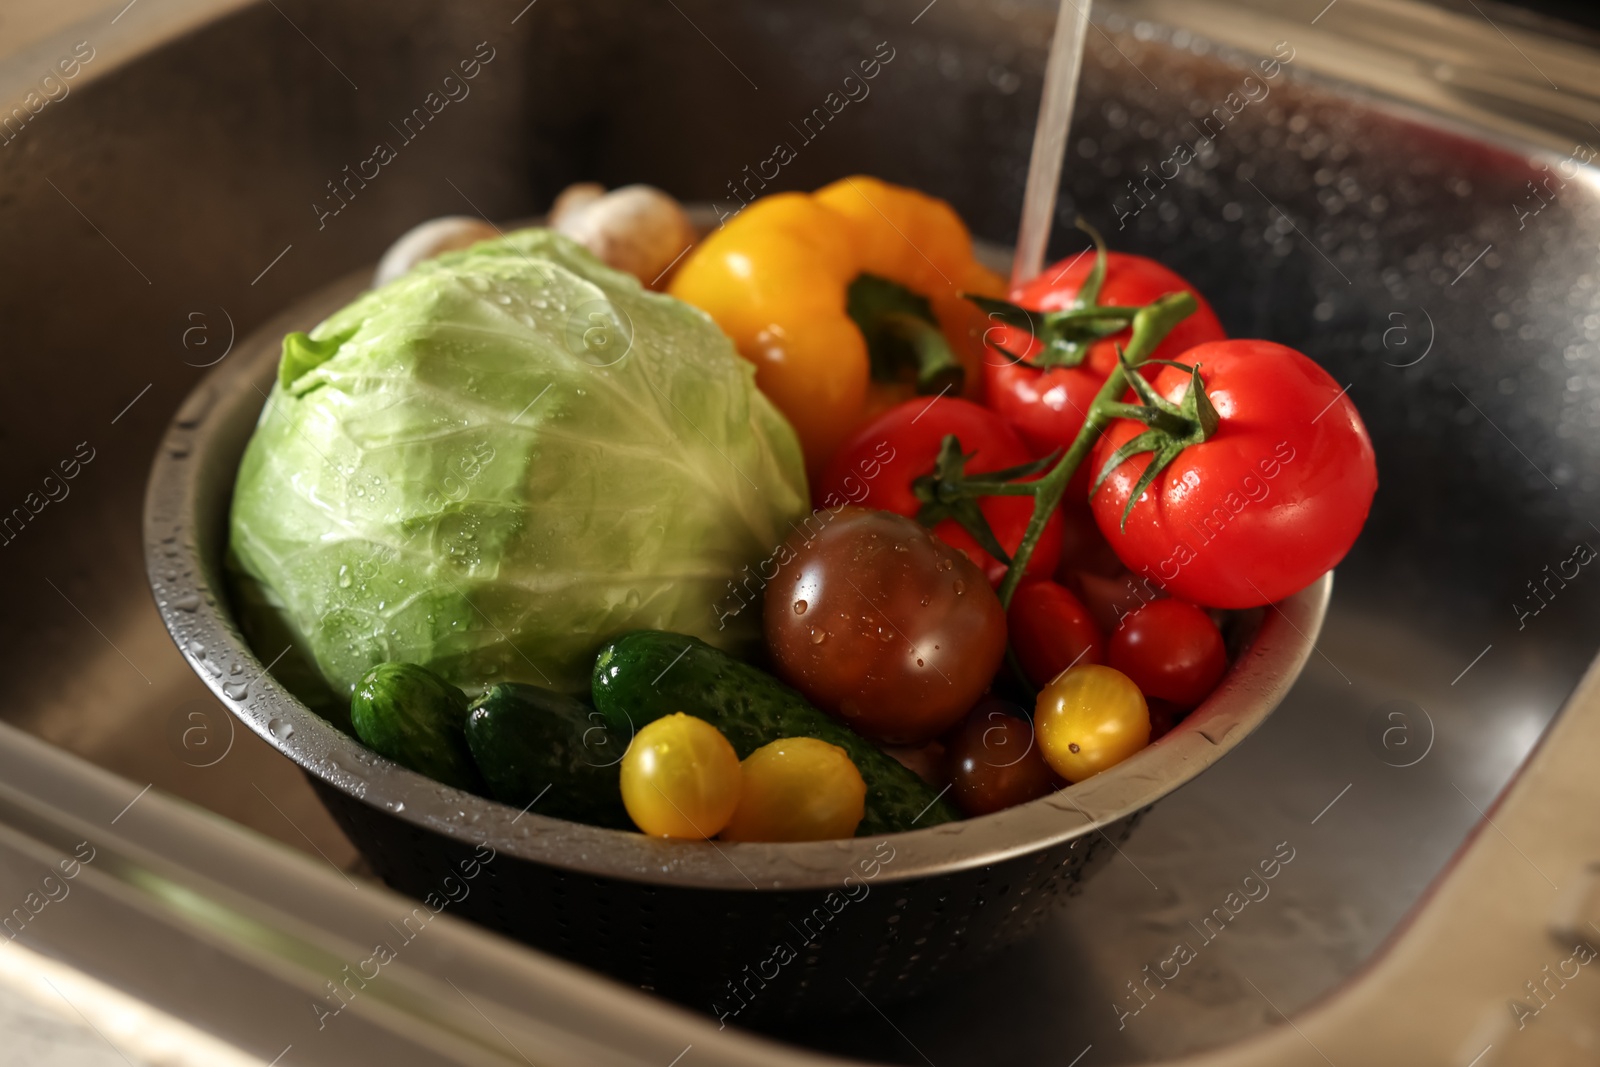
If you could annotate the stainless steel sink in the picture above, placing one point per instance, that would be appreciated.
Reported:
(1381, 220)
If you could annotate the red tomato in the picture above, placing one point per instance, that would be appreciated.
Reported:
(881, 624)
(1048, 407)
(876, 467)
(1172, 651)
(1083, 547)
(1045, 407)
(1130, 281)
(1274, 499)
(1051, 630)
(1164, 718)
(1110, 598)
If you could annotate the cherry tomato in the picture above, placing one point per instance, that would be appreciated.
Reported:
(1051, 630)
(680, 778)
(1172, 650)
(992, 761)
(882, 625)
(1112, 599)
(926, 760)
(1164, 717)
(1088, 719)
(876, 467)
(1264, 507)
(1083, 547)
(798, 789)
(1047, 407)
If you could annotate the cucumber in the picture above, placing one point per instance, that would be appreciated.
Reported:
(415, 718)
(545, 749)
(641, 676)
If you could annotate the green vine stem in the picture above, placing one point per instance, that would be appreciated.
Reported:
(1151, 324)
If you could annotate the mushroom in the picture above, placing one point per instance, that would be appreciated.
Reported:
(429, 239)
(637, 228)
(572, 201)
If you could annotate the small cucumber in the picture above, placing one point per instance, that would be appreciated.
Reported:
(641, 676)
(548, 750)
(415, 718)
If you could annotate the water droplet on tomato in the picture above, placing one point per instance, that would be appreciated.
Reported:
(818, 636)
(800, 607)
(960, 587)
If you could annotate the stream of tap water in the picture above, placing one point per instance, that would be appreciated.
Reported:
(1050, 139)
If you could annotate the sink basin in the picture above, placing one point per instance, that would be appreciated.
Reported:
(182, 197)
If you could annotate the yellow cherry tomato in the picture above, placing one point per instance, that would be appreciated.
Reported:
(1090, 718)
(680, 778)
(798, 789)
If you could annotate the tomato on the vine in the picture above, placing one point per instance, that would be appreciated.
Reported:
(881, 624)
(1047, 407)
(1172, 651)
(1051, 630)
(878, 466)
(1265, 504)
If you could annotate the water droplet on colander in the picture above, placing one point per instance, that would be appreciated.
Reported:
(800, 607)
(187, 602)
(818, 636)
(280, 728)
(236, 690)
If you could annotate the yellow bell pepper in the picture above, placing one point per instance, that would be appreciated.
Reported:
(778, 279)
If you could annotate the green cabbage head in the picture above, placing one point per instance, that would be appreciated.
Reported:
(497, 462)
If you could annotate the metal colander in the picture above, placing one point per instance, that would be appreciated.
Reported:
(744, 931)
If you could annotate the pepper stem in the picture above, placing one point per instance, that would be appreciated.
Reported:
(936, 363)
(904, 342)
